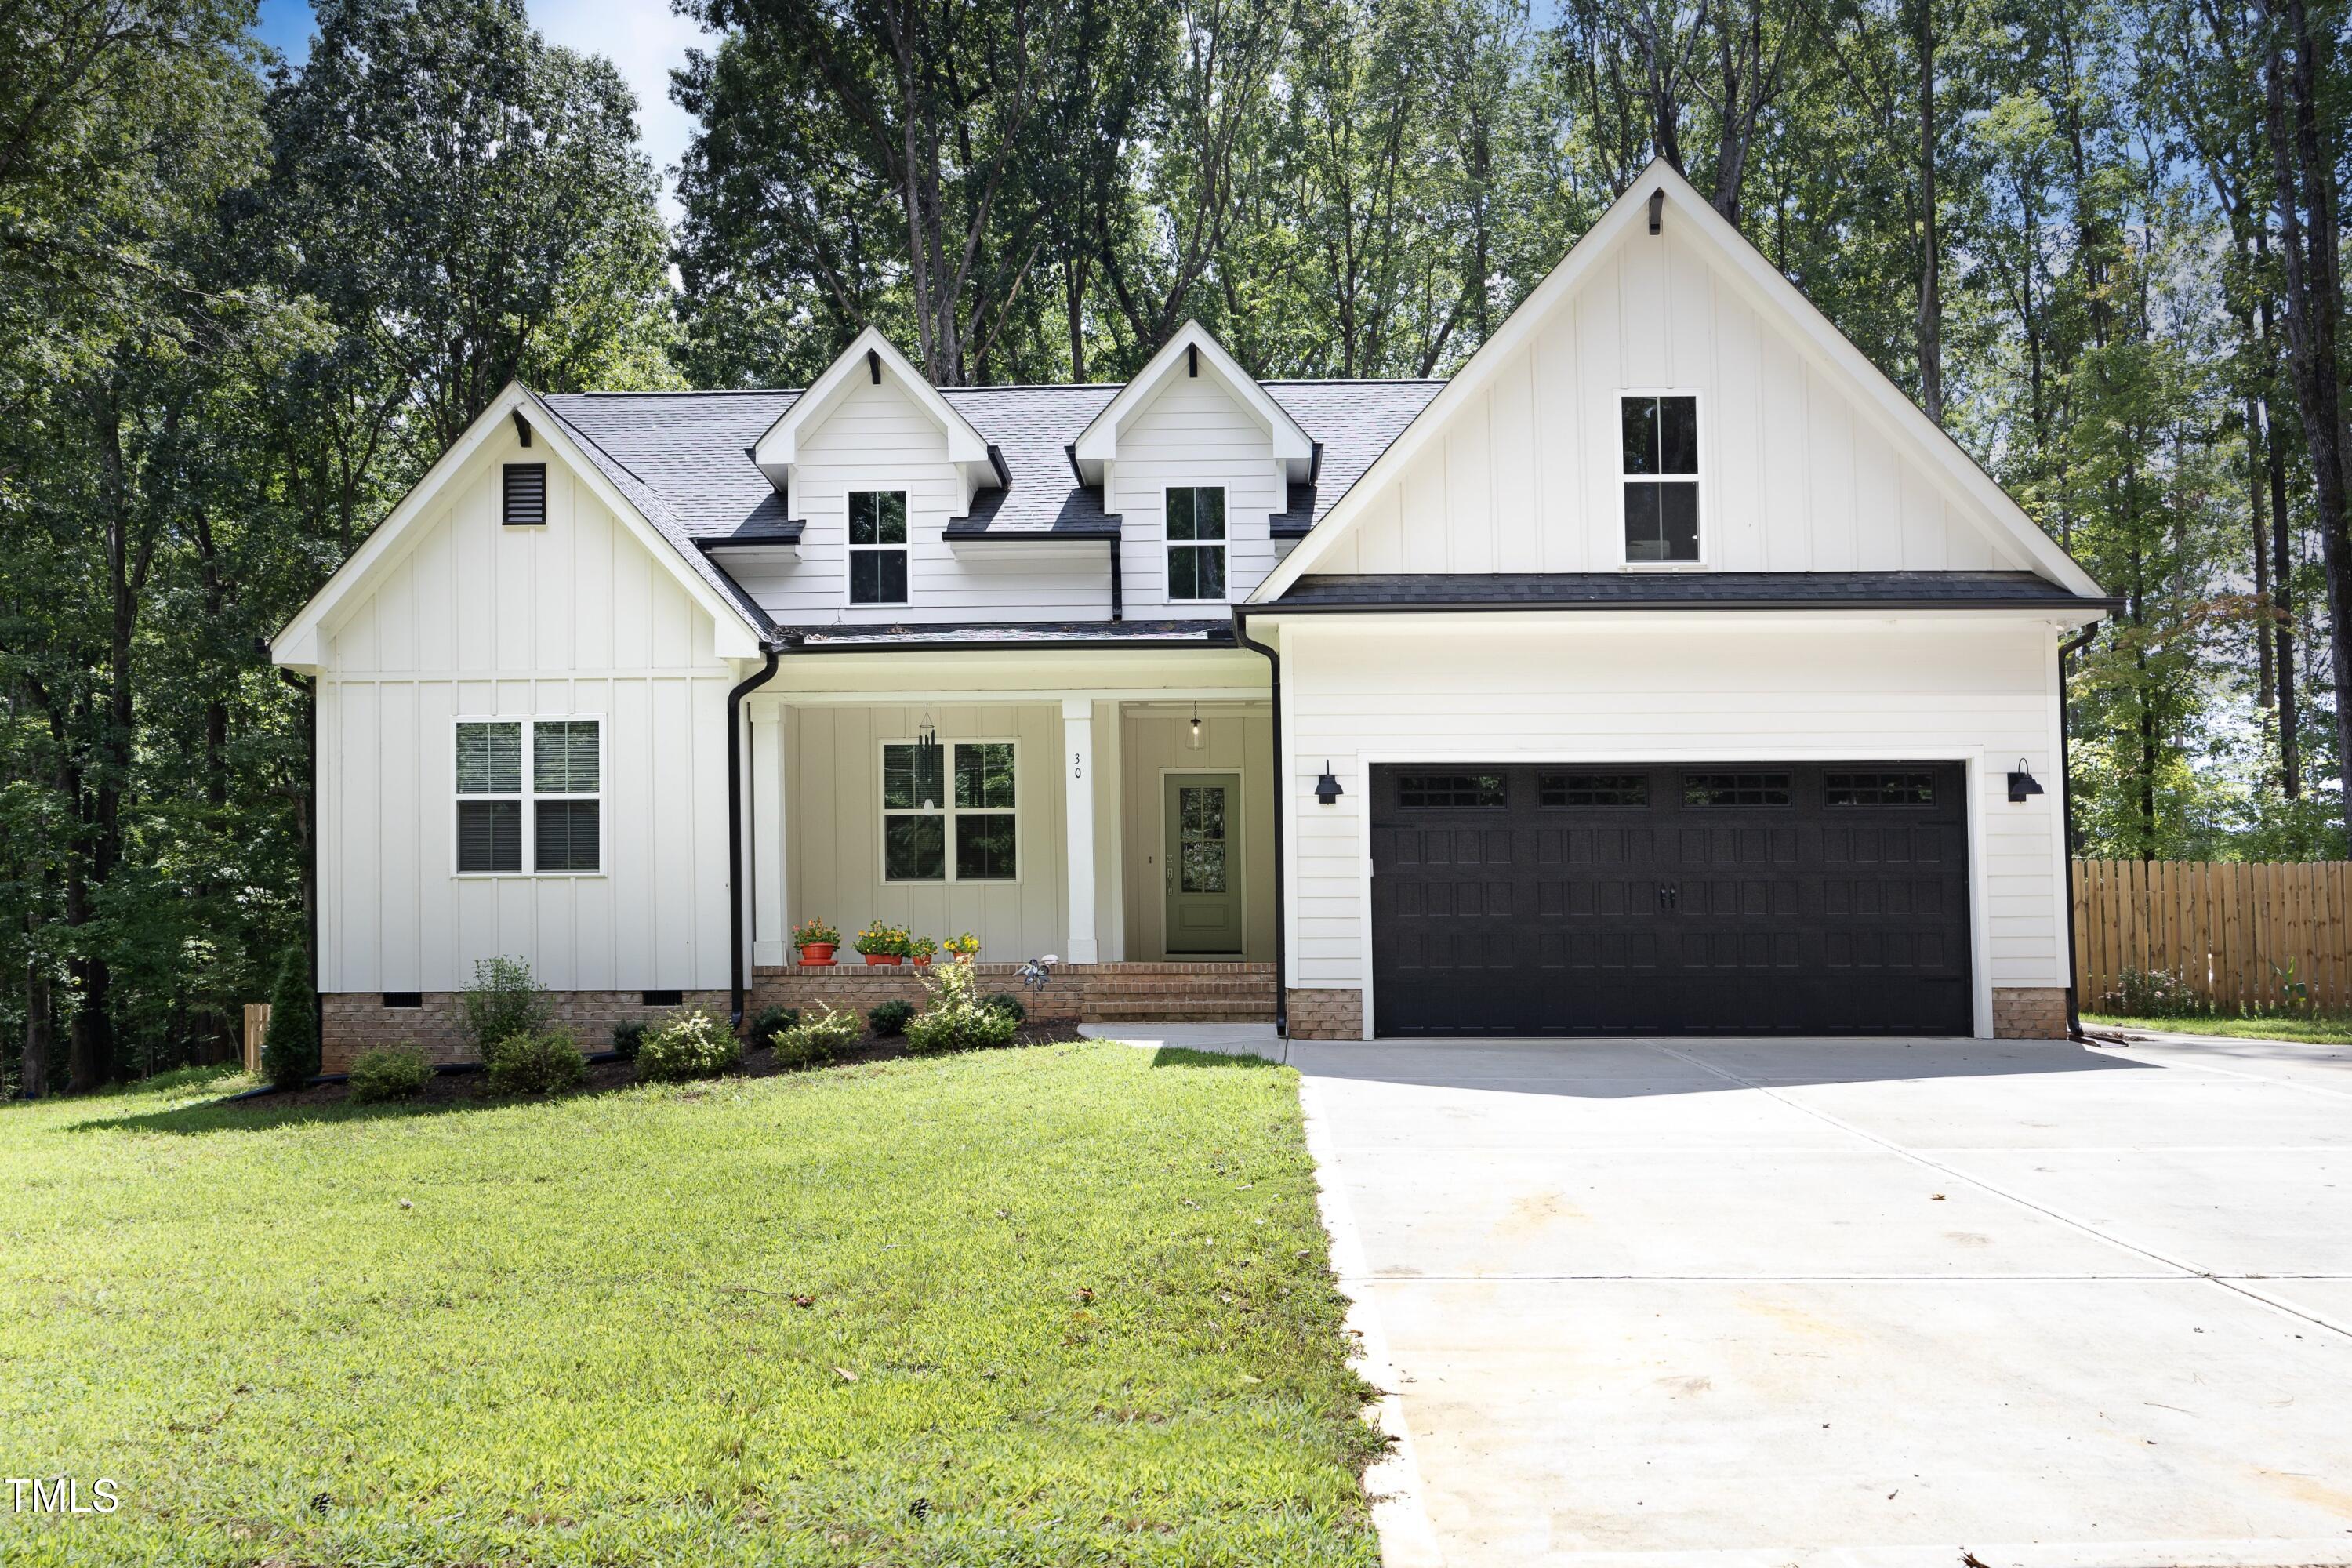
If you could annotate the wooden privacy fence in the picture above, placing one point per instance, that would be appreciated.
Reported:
(2235, 935)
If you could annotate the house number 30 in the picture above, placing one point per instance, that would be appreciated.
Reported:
(1077, 766)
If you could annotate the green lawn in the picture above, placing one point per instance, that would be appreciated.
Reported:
(2272, 1027)
(1066, 1304)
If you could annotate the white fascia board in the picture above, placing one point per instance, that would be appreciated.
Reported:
(779, 448)
(1993, 508)
(1098, 444)
(297, 645)
(1567, 621)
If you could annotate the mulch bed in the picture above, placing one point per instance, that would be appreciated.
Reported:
(448, 1088)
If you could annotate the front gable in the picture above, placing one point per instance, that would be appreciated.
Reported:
(1810, 460)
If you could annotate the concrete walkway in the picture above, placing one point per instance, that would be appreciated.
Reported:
(1743, 1303)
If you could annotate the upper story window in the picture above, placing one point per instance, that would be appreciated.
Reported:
(877, 547)
(1661, 454)
(1196, 543)
(548, 771)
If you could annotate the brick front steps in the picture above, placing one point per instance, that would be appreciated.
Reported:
(1081, 992)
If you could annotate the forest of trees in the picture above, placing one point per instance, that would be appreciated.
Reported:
(244, 303)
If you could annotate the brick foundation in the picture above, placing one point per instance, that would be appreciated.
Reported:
(1079, 993)
(354, 1021)
(1326, 1015)
(2038, 1013)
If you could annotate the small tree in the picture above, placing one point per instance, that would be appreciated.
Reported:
(503, 1001)
(289, 1052)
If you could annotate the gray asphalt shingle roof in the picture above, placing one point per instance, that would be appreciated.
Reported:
(693, 450)
(1650, 590)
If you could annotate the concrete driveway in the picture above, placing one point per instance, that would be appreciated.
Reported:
(1741, 1302)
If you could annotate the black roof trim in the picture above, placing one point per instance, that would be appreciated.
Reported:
(1867, 590)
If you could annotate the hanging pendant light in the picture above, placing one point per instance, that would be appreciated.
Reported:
(927, 756)
(1192, 737)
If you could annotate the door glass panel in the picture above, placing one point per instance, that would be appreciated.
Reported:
(1201, 838)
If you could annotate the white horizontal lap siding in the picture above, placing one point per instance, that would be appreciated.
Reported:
(879, 438)
(1193, 433)
(573, 620)
(1795, 475)
(833, 795)
(1746, 691)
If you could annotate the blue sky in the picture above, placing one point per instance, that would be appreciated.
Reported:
(640, 37)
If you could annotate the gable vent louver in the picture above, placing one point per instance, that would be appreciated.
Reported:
(524, 503)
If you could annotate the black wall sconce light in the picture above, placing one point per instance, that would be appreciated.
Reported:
(2022, 783)
(1327, 788)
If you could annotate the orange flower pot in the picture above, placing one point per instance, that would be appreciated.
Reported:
(817, 955)
(883, 959)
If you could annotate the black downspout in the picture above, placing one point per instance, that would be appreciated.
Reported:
(1282, 784)
(308, 687)
(736, 881)
(2066, 826)
(1117, 598)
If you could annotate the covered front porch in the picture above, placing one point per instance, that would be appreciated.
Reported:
(1110, 806)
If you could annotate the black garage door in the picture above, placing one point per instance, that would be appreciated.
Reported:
(1696, 898)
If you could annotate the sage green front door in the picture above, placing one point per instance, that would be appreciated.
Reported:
(1203, 862)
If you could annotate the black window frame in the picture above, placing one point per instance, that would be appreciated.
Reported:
(1665, 468)
(1454, 792)
(1592, 790)
(1871, 788)
(1727, 789)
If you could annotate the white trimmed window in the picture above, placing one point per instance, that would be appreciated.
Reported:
(1196, 543)
(1661, 475)
(877, 547)
(530, 797)
(962, 828)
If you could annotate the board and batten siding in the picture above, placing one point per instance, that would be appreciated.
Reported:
(1151, 746)
(1796, 474)
(832, 782)
(1743, 690)
(1192, 432)
(880, 438)
(575, 619)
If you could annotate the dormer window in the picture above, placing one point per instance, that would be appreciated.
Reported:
(1196, 543)
(877, 547)
(1661, 477)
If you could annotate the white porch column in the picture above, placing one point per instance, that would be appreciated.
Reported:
(1078, 822)
(767, 834)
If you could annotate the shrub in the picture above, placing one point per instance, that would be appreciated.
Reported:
(290, 1051)
(957, 1019)
(772, 1021)
(536, 1063)
(627, 1037)
(1011, 1006)
(890, 1017)
(2151, 994)
(822, 1038)
(692, 1044)
(503, 1001)
(389, 1072)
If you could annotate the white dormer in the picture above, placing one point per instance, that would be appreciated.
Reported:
(1192, 354)
(868, 361)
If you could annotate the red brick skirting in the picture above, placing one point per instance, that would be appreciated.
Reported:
(354, 1021)
(1079, 993)
(1326, 1015)
(2037, 1012)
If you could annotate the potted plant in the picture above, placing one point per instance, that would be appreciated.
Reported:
(963, 947)
(920, 951)
(817, 942)
(883, 944)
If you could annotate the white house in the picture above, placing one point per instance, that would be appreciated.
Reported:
(1663, 671)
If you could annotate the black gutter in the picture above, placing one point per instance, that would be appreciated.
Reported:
(738, 885)
(1857, 606)
(1282, 792)
(1117, 596)
(2066, 825)
(955, 535)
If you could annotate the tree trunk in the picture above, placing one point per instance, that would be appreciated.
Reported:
(2266, 694)
(2282, 580)
(1931, 261)
(2314, 284)
(37, 1023)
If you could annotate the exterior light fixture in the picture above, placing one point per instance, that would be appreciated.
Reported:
(1193, 735)
(2022, 783)
(1327, 788)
